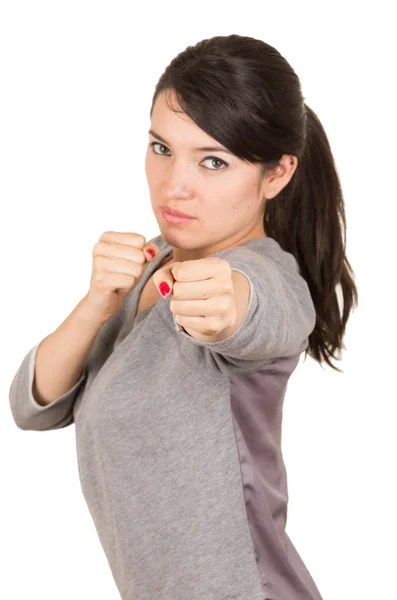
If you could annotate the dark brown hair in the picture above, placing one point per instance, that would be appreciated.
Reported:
(245, 95)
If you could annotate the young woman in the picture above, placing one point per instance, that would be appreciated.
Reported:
(177, 401)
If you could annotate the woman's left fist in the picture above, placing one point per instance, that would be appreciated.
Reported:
(203, 294)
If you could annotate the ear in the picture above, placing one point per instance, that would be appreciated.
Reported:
(279, 176)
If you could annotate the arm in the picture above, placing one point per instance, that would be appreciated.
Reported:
(44, 388)
(61, 355)
(278, 319)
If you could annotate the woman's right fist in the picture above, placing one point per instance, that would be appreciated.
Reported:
(119, 261)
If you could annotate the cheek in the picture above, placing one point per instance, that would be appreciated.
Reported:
(237, 208)
(152, 173)
(220, 212)
(147, 166)
(232, 203)
(149, 162)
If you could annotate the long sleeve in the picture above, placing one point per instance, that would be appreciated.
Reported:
(280, 315)
(27, 413)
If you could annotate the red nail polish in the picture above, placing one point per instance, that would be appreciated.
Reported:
(150, 251)
(164, 288)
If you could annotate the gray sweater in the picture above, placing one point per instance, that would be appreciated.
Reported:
(179, 441)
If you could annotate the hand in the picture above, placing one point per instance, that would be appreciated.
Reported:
(118, 263)
(203, 294)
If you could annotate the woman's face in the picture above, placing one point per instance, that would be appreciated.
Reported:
(222, 192)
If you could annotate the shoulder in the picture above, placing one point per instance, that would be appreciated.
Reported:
(261, 257)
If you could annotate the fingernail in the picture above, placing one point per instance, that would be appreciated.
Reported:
(150, 251)
(164, 288)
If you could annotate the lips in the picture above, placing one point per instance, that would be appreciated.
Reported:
(176, 213)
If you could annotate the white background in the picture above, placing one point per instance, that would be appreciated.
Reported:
(77, 80)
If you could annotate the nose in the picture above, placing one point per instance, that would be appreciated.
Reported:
(176, 192)
(178, 181)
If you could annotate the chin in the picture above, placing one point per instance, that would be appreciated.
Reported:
(168, 236)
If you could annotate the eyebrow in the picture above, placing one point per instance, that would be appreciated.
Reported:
(203, 149)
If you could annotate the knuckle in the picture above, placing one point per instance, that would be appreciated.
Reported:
(212, 326)
(141, 258)
(141, 239)
(221, 305)
(98, 261)
(225, 305)
(99, 248)
(99, 277)
(205, 293)
(176, 289)
(178, 271)
(227, 286)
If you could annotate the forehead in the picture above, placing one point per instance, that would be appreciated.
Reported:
(176, 128)
(168, 116)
